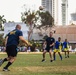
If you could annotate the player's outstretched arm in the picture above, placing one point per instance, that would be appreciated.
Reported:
(6, 40)
(23, 40)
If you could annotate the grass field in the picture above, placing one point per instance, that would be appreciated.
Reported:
(30, 64)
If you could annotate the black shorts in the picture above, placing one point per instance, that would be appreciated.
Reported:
(11, 50)
(48, 49)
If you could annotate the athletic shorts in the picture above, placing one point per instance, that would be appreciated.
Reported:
(66, 49)
(57, 50)
(48, 49)
(11, 50)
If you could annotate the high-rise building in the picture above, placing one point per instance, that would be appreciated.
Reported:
(64, 12)
(58, 10)
(55, 11)
(73, 18)
(47, 4)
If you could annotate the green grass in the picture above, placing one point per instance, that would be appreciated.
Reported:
(30, 64)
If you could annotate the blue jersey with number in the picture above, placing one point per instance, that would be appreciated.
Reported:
(13, 37)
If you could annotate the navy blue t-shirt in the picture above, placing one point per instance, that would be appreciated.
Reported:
(50, 40)
(13, 37)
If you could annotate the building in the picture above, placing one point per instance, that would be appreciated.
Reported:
(64, 12)
(50, 6)
(58, 9)
(73, 18)
(47, 4)
(66, 32)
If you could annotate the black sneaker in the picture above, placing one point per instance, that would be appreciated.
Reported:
(5, 69)
(51, 60)
(68, 56)
(43, 60)
(65, 56)
(1, 62)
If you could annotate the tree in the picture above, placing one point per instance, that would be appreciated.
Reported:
(2, 40)
(2, 21)
(36, 19)
(29, 18)
(46, 19)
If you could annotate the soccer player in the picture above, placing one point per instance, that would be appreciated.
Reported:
(12, 40)
(66, 48)
(58, 48)
(50, 41)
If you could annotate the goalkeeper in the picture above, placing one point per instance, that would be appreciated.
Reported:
(11, 42)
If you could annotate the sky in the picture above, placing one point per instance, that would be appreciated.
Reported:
(11, 9)
(71, 8)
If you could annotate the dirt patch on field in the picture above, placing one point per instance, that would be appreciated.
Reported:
(52, 69)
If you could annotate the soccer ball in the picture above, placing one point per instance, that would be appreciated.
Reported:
(41, 8)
